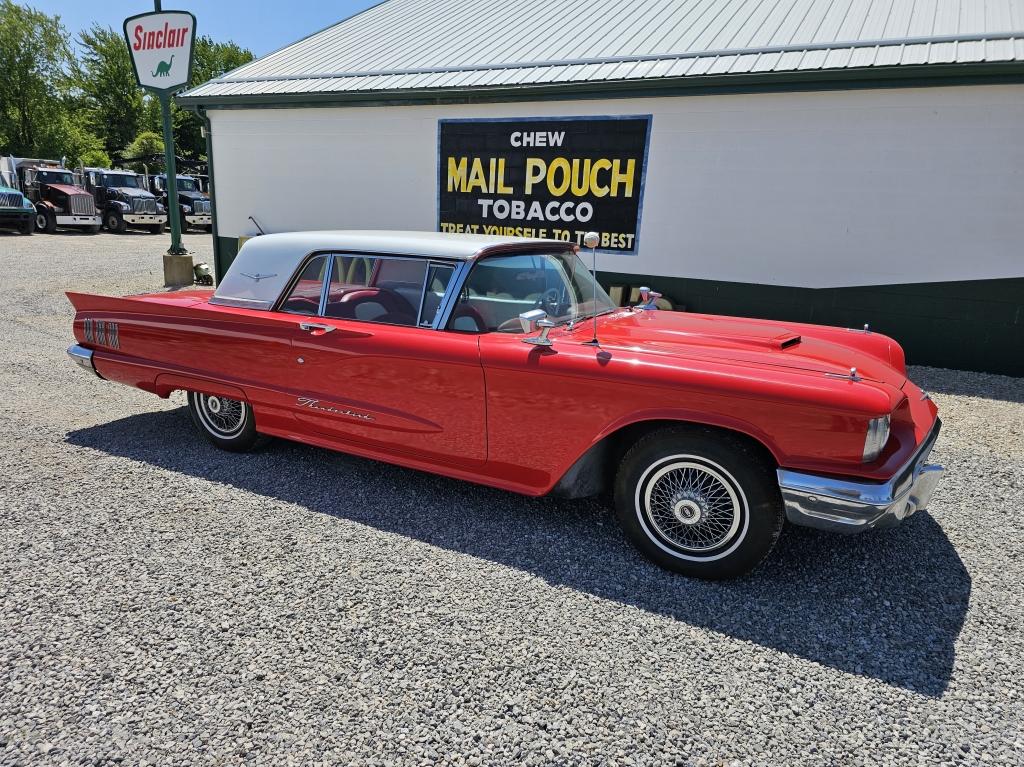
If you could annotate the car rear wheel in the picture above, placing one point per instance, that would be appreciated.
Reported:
(699, 502)
(227, 423)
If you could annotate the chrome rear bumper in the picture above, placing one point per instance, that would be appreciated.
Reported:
(848, 506)
(83, 358)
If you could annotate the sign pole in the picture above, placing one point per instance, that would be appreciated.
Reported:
(161, 45)
(170, 170)
(173, 211)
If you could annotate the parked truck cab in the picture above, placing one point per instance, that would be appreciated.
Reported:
(16, 210)
(56, 194)
(124, 201)
(193, 202)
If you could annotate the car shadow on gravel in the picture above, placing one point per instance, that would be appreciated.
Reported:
(886, 605)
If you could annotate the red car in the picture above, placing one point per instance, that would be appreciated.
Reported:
(475, 357)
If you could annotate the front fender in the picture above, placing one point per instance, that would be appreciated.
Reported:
(703, 418)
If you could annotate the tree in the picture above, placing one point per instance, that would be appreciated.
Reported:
(144, 149)
(112, 98)
(34, 77)
(95, 158)
(65, 136)
(211, 60)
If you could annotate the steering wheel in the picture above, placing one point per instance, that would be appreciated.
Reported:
(553, 302)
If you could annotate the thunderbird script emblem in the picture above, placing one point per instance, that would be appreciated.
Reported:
(257, 277)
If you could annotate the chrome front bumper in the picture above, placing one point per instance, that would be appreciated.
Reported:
(145, 218)
(847, 506)
(83, 358)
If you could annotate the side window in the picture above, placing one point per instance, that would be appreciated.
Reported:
(376, 289)
(438, 277)
(501, 288)
(305, 294)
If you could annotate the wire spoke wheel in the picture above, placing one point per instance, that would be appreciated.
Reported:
(691, 505)
(223, 417)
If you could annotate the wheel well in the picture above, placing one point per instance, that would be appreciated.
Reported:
(594, 472)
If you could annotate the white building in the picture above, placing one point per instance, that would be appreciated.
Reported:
(832, 161)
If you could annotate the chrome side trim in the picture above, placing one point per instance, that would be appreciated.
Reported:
(851, 506)
(240, 303)
(83, 358)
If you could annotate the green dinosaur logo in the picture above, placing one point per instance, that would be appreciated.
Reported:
(163, 69)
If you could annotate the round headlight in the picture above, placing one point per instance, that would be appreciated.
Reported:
(187, 208)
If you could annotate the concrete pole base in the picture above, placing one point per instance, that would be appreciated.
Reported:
(178, 271)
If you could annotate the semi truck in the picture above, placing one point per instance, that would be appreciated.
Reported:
(193, 202)
(124, 201)
(16, 210)
(56, 194)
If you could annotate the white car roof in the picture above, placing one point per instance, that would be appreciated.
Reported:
(265, 264)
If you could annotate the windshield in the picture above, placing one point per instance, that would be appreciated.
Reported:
(501, 288)
(56, 177)
(186, 185)
(121, 179)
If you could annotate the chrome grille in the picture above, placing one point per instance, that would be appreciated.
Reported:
(143, 205)
(10, 200)
(202, 206)
(82, 205)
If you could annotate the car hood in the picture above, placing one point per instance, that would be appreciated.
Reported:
(192, 196)
(794, 346)
(131, 191)
(67, 188)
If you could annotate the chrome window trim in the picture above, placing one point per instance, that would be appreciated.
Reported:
(454, 266)
(444, 312)
(242, 303)
(423, 294)
(325, 288)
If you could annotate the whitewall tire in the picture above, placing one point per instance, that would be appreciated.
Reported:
(227, 423)
(698, 501)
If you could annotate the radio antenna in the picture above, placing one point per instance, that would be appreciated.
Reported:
(591, 239)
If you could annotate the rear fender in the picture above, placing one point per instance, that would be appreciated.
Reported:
(170, 382)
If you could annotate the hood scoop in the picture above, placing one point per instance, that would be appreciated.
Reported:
(786, 340)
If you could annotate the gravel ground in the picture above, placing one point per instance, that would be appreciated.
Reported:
(165, 603)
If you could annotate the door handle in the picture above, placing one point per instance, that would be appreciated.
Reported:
(316, 328)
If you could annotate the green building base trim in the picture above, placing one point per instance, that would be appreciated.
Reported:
(970, 325)
(224, 251)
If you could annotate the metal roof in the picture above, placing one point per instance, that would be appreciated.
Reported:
(468, 45)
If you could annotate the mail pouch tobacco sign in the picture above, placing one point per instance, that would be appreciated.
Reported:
(554, 178)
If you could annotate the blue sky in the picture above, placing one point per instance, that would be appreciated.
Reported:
(261, 26)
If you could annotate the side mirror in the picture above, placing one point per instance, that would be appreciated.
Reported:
(649, 299)
(531, 321)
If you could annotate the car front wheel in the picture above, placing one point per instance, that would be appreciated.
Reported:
(227, 423)
(699, 502)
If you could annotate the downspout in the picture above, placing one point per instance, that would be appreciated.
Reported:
(218, 271)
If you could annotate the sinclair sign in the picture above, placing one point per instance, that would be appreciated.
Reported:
(161, 48)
